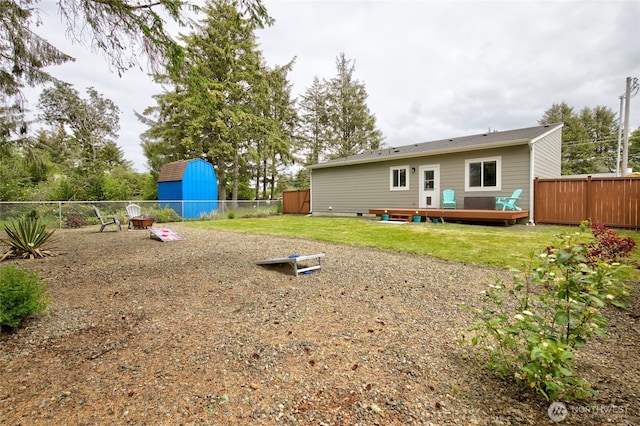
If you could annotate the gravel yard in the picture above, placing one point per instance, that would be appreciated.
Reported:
(194, 332)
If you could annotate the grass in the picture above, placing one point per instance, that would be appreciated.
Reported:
(496, 246)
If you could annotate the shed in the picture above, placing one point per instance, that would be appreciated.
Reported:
(189, 187)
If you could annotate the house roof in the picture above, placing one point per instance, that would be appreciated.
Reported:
(487, 140)
(174, 171)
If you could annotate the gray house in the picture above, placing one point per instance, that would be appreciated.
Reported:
(478, 168)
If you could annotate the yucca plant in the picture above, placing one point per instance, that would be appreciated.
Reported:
(26, 239)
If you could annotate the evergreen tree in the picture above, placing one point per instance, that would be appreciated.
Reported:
(351, 126)
(274, 149)
(588, 138)
(312, 130)
(225, 105)
(634, 150)
(23, 58)
(222, 67)
(128, 32)
(167, 123)
(602, 128)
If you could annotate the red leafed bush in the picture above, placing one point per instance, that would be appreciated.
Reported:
(608, 246)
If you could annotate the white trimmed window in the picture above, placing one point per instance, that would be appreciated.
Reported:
(399, 178)
(483, 174)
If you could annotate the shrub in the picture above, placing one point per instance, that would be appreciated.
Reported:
(608, 245)
(21, 295)
(555, 308)
(75, 221)
(26, 239)
(167, 214)
(231, 215)
(32, 214)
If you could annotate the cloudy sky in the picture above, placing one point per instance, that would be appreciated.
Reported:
(432, 69)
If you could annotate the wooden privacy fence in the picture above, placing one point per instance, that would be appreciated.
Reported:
(296, 202)
(612, 201)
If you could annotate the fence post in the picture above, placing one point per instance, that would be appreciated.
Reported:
(535, 199)
(589, 197)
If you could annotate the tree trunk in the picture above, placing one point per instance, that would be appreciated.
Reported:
(264, 179)
(222, 188)
(236, 173)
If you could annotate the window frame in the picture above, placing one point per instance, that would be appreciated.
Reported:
(483, 160)
(391, 173)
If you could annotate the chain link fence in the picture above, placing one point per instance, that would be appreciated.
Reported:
(70, 214)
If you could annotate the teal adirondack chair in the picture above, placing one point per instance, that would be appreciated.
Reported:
(508, 203)
(448, 199)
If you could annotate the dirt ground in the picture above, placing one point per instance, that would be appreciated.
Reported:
(193, 332)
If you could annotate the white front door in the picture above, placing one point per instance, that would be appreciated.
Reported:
(430, 187)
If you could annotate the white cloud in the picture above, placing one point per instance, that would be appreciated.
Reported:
(432, 69)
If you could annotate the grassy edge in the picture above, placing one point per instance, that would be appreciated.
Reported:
(494, 246)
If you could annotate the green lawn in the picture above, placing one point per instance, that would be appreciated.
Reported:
(497, 246)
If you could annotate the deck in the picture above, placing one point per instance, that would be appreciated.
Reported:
(463, 215)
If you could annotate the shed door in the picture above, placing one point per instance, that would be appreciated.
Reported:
(429, 187)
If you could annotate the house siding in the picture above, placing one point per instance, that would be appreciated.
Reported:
(357, 188)
(547, 161)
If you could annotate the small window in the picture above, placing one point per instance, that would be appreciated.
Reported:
(399, 179)
(483, 174)
(429, 180)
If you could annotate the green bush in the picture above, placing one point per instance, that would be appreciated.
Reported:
(531, 327)
(21, 295)
(231, 215)
(165, 215)
(32, 214)
(26, 239)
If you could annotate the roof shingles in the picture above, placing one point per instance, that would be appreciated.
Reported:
(172, 172)
(479, 141)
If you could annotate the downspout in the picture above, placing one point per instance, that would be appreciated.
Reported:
(532, 150)
(311, 192)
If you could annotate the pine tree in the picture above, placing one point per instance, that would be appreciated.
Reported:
(588, 144)
(634, 150)
(351, 126)
(312, 130)
(222, 106)
(23, 58)
(274, 144)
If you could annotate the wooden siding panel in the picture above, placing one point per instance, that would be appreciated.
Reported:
(515, 174)
(547, 162)
(357, 188)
